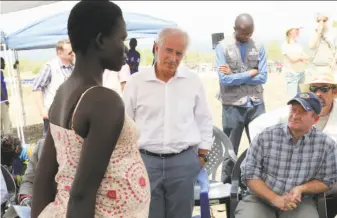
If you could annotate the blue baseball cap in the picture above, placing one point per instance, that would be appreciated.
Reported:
(309, 102)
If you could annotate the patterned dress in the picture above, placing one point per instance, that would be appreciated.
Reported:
(125, 188)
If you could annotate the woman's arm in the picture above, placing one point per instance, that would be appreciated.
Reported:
(317, 36)
(104, 117)
(293, 59)
(44, 188)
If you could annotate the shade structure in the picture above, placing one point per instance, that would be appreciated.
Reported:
(46, 32)
(13, 6)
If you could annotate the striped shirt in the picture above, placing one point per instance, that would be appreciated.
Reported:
(45, 76)
(282, 165)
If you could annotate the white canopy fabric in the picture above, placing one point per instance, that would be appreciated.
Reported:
(12, 6)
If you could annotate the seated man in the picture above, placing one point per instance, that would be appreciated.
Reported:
(287, 164)
(324, 85)
(13, 156)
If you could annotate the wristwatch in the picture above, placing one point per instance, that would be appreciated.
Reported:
(204, 156)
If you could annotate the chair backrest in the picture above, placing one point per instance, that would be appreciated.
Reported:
(222, 149)
(237, 187)
(10, 183)
(236, 174)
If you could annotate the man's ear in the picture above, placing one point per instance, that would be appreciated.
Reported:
(316, 118)
(156, 47)
(99, 41)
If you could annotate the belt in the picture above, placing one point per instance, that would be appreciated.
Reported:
(143, 151)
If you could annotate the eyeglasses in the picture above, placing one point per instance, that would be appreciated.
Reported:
(323, 89)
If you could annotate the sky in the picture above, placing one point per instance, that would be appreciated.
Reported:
(202, 18)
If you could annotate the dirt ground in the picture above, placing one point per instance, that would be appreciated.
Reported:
(274, 94)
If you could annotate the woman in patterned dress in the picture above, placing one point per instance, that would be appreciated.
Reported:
(90, 164)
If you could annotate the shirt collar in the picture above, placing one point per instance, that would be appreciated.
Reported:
(304, 137)
(240, 44)
(151, 76)
(63, 65)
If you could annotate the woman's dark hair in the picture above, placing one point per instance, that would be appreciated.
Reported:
(10, 149)
(89, 18)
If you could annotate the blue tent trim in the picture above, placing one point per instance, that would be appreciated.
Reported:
(47, 31)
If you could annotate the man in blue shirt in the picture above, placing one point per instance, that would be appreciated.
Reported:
(5, 119)
(242, 69)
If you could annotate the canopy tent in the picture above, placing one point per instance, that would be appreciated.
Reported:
(13, 6)
(46, 32)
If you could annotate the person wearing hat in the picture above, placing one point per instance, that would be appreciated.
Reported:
(324, 43)
(294, 60)
(324, 86)
(284, 166)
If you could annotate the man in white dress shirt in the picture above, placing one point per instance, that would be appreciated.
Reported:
(170, 109)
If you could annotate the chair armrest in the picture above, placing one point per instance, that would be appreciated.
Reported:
(321, 206)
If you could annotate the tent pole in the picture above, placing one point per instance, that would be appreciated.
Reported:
(20, 88)
(16, 83)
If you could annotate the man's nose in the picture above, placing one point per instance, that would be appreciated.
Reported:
(319, 92)
(294, 115)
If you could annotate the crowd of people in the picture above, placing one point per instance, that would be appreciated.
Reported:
(129, 142)
(292, 154)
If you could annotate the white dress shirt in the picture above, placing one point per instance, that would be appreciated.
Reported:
(171, 116)
(3, 190)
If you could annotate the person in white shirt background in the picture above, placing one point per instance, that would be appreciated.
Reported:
(171, 112)
(324, 42)
(294, 59)
(324, 85)
(117, 80)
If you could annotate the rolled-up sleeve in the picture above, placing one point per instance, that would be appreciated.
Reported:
(251, 167)
(203, 119)
(43, 79)
(328, 170)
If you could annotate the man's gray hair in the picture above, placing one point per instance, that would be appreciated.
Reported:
(171, 31)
